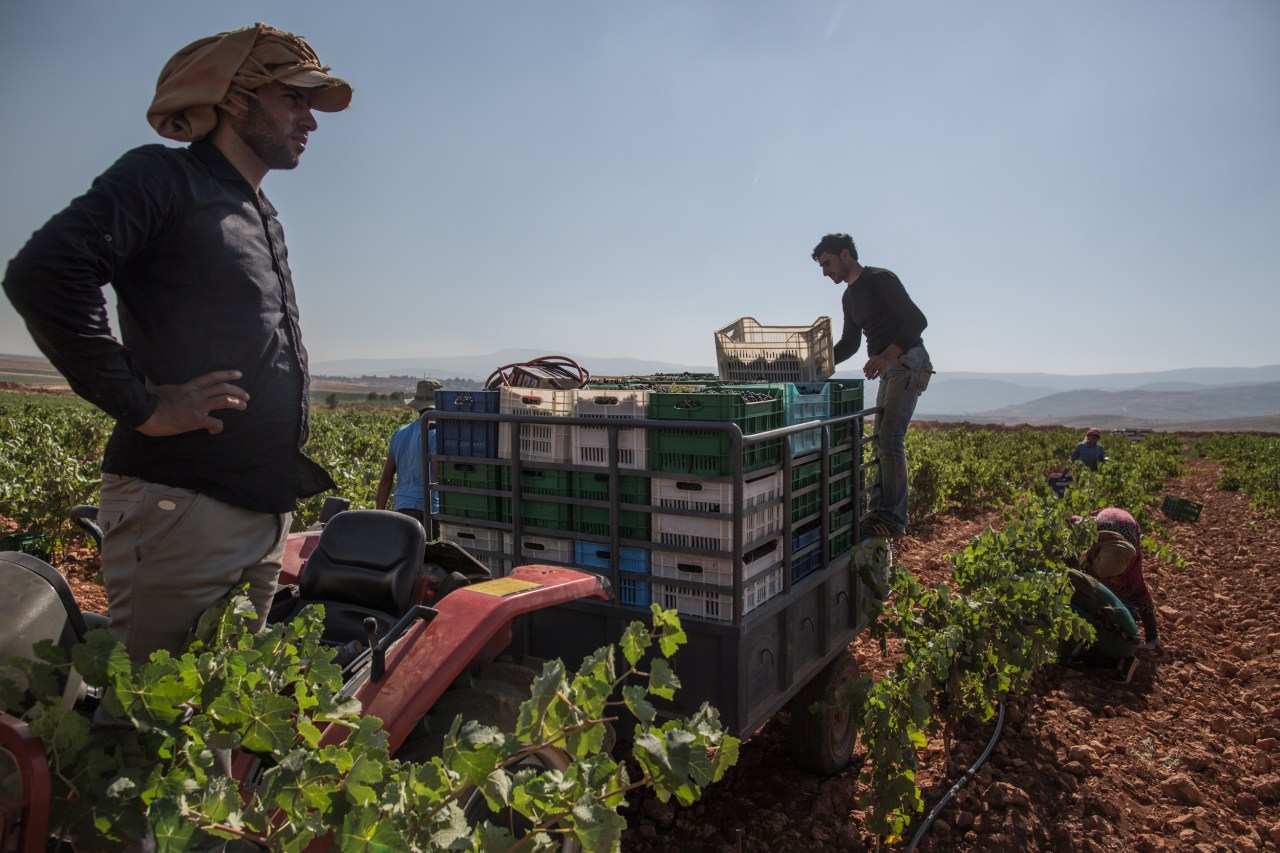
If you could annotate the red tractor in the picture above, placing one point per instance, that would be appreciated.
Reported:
(419, 627)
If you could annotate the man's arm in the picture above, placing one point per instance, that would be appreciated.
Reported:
(851, 333)
(384, 483)
(55, 283)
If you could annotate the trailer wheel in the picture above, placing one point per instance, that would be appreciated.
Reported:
(822, 739)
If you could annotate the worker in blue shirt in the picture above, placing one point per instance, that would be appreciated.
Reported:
(404, 460)
(1090, 452)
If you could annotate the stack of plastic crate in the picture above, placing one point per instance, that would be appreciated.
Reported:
(591, 444)
(846, 398)
(536, 512)
(456, 437)
(549, 442)
(698, 517)
(485, 480)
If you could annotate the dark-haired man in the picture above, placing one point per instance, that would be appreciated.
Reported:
(876, 304)
(208, 380)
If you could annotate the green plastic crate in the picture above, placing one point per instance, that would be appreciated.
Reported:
(1181, 508)
(548, 514)
(687, 451)
(632, 524)
(805, 475)
(473, 475)
(479, 507)
(803, 506)
(846, 398)
(34, 544)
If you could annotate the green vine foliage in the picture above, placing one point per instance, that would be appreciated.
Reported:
(966, 645)
(1250, 464)
(50, 453)
(273, 694)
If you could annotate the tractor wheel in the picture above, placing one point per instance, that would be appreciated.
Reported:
(476, 808)
(507, 676)
(490, 707)
(822, 739)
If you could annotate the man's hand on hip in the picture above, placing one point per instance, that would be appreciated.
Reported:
(877, 364)
(186, 407)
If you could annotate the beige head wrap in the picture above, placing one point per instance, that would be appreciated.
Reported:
(1109, 556)
(224, 70)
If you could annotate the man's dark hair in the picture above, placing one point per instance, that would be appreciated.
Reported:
(834, 244)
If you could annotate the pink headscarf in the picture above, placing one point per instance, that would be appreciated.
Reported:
(224, 70)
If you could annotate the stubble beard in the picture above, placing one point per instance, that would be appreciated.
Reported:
(264, 139)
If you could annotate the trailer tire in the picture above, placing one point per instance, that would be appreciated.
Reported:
(822, 738)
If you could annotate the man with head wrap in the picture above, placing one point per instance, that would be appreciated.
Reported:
(208, 380)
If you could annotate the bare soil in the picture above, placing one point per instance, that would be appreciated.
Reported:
(1185, 757)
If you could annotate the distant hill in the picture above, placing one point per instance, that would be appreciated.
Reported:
(479, 367)
(1224, 399)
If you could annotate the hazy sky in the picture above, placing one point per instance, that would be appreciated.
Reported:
(1063, 187)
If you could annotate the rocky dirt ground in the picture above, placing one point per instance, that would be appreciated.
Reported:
(1185, 757)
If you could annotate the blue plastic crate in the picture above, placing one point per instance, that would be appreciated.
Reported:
(594, 556)
(806, 564)
(467, 438)
(802, 402)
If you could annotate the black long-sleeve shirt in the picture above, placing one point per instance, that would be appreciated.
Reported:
(877, 305)
(198, 263)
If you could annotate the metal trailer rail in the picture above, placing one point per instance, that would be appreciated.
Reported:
(748, 666)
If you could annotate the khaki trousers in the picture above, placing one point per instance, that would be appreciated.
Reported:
(169, 554)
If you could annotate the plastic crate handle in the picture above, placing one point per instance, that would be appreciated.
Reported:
(688, 405)
(689, 487)
(534, 546)
(691, 568)
(605, 401)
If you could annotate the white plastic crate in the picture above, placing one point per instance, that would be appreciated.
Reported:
(716, 534)
(676, 492)
(544, 549)
(716, 570)
(591, 444)
(746, 351)
(538, 443)
(706, 604)
(475, 539)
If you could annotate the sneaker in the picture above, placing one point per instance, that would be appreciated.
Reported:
(1128, 667)
(1150, 645)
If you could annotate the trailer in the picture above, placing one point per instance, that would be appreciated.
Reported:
(745, 522)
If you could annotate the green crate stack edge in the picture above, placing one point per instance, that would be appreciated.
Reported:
(695, 583)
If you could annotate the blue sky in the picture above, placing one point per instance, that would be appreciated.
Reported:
(1082, 187)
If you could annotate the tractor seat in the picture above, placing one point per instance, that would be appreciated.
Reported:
(365, 564)
(40, 606)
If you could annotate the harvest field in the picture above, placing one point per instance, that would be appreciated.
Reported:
(1186, 756)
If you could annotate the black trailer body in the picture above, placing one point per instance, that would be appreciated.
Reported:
(754, 656)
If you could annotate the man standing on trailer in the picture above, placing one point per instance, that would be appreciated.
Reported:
(208, 380)
(876, 304)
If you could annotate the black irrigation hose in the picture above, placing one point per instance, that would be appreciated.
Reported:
(960, 783)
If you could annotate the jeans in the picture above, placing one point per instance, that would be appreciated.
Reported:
(900, 388)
